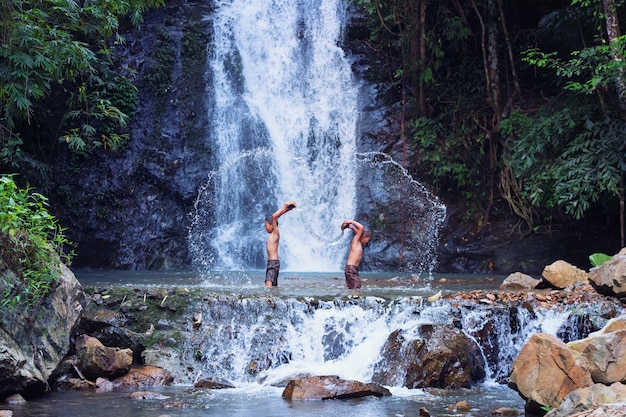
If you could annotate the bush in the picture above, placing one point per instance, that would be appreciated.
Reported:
(32, 248)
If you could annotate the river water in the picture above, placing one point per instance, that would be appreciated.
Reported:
(252, 398)
(296, 284)
(254, 401)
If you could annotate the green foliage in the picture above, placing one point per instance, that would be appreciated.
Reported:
(93, 110)
(585, 70)
(571, 153)
(32, 248)
(598, 259)
(368, 6)
(564, 158)
(11, 152)
(64, 47)
(444, 157)
(451, 148)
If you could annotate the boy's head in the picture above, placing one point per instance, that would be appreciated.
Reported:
(269, 227)
(366, 236)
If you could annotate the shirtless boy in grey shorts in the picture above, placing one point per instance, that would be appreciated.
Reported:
(271, 226)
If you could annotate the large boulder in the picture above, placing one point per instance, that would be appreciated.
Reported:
(34, 344)
(545, 372)
(548, 373)
(604, 352)
(330, 387)
(561, 274)
(437, 356)
(145, 376)
(96, 360)
(213, 383)
(519, 281)
(610, 277)
(607, 401)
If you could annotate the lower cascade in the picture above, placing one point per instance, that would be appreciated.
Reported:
(267, 340)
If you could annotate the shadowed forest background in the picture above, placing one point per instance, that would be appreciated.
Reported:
(511, 112)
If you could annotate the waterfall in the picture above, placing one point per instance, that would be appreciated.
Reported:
(284, 111)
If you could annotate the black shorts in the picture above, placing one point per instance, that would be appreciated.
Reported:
(271, 273)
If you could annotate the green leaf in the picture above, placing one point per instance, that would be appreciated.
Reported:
(598, 259)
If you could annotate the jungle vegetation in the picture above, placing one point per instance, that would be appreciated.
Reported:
(32, 248)
(60, 51)
(511, 105)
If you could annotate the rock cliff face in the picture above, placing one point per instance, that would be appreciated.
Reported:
(33, 346)
(130, 209)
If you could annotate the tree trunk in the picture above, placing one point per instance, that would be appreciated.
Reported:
(509, 47)
(613, 33)
(422, 48)
(489, 45)
(621, 211)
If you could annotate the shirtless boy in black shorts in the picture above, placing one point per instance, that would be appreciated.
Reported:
(271, 225)
(362, 236)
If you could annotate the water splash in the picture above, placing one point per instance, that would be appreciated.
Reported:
(406, 216)
(224, 237)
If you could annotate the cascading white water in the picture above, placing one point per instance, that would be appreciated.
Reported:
(268, 340)
(284, 118)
